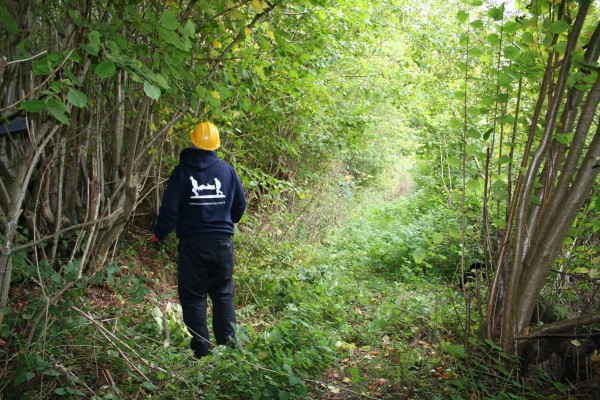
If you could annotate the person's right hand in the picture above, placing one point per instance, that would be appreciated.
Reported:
(157, 244)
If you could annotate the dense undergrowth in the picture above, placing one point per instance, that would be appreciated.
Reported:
(336, 310)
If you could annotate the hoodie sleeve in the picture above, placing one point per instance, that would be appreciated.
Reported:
(168, 214)
(239, 200)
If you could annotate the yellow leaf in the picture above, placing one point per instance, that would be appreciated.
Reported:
(215, 94)
(216, 44)
(271, 35)
(170, 132)
(152, 126)
(257, 6)
(248, 31)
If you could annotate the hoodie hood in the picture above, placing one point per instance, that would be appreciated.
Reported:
(198, 159)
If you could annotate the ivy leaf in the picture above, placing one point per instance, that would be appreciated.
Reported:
(151, 90)
(77, 98)
(106, 69)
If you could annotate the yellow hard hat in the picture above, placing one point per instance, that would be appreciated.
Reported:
(206, 136)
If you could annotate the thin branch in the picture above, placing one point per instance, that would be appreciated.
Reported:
(106, 332)
(57, 233)
(38, 87)
(27, 59)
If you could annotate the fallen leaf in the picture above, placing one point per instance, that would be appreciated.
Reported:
(333, 389)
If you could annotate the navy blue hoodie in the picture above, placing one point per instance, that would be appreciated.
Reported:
(204, 197)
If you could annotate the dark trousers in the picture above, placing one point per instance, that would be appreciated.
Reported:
(206, 268)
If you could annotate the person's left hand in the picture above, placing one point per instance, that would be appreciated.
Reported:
(157, 244)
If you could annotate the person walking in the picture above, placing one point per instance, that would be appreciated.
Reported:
(202, 201)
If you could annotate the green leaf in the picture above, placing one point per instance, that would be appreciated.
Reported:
(168, 20)
(173, 38)
(462, 16)
(454, 162)
(487, 133)
(493, 39)
(472, 149)
(496, 13)
(511, 52)
(476, 52)
(510, 27)
(33, 106)
(527, 37)
(57, 109)
(505, 159)
(106, 69)
(93, 45)
(437, 238)
(558, 27)
(473, 184)
(477, 24)
(354, 373)
(294, 380)
(151, 90)
(473, 133)
(502, 97)
(456, 350)
(77, 98)
(8, 21)
(189, 29)
(149, 386)
(419, 255)
(259, 71)
(59, 115)
(504, 79)
(560, 47)
(283, 395)
(257, 6)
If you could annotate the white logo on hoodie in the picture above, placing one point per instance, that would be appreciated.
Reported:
(197, 189)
